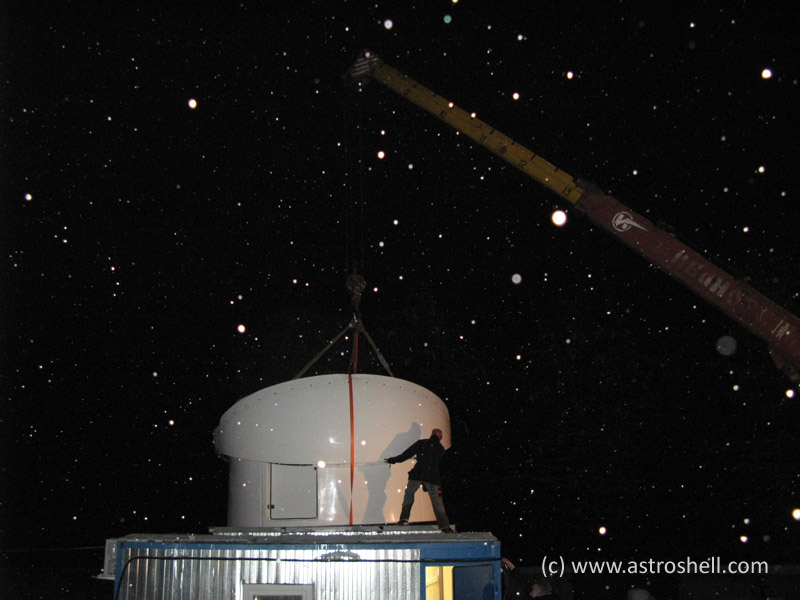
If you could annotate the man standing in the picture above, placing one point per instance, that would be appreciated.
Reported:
(426, 474)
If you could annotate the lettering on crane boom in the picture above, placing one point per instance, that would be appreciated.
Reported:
(781, 328)
(722, 287)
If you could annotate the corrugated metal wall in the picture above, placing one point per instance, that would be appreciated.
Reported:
(182, 573)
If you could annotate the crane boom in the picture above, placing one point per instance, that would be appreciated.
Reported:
(779, 328)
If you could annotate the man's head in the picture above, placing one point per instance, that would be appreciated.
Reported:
(437, 433)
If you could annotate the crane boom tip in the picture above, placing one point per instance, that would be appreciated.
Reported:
(362, 68)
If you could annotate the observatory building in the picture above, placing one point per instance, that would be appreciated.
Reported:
(312, 506)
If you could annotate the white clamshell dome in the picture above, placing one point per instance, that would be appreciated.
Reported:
(289, 448)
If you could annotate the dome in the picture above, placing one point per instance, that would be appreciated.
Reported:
(290, 445)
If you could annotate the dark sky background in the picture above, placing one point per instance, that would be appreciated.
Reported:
(138, 233)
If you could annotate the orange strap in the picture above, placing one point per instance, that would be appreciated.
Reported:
(353, 368)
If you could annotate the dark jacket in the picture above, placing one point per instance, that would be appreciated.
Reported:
(429, 454)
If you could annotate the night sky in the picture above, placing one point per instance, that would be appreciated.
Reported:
(171, 174)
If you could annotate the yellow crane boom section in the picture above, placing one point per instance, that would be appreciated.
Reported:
(495, 141)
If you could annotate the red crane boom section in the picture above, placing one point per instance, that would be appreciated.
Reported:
(763, 317)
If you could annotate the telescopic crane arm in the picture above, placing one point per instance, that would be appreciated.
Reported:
(779, 328)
